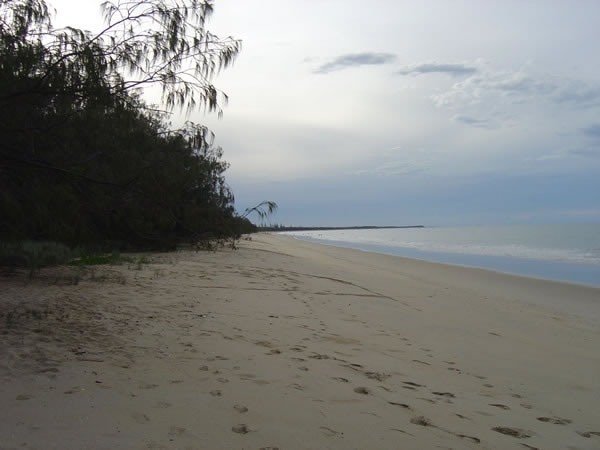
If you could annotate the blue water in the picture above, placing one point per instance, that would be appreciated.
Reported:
(566, 252)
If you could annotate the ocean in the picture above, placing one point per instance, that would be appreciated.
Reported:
(566, 252)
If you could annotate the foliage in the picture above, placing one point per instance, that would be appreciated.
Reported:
(83, 159)
(263, 209)
(34, 255)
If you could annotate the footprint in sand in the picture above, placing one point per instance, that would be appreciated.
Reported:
(421, 362)
(588, 434)
(242, 428)
(264, 344)
(140, 418)
(444, 394)
(499, 405)
(342, 379)
(331, 432)
(402, 405)
(240, 408)
(362, 390)
(421, 420)
(216, 393)
(379, 376)
(554, 420)
(176, 431)
(530, 447)
(514, 432)
(402, 431)
(467, 437)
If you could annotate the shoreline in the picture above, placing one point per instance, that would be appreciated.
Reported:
(535, 268)
(588, 306)
(291, 344)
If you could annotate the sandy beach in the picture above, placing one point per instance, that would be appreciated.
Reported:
(292, 345)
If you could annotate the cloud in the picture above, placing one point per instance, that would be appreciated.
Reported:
(467, 120)
(496, 87)
(450, 69)
(517, 87)
(392, 168)
(592, 131)
(579, 94)
(589, 152)
(355, 60)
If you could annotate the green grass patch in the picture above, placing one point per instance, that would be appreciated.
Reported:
(34, 255)
(112, 259)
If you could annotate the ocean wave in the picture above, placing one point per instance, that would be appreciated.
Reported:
(455, 244)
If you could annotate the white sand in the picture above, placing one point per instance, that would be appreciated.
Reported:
(292, 345)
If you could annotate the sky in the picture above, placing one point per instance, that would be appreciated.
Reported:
(393, 112)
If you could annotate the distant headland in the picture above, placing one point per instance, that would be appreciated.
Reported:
(359, 227)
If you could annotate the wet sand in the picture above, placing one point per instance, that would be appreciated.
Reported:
(293, 345)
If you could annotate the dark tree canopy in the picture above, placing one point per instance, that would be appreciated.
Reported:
(83, 159)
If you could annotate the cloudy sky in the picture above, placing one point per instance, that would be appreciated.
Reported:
(405, 112)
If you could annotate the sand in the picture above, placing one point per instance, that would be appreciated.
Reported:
(293, 345)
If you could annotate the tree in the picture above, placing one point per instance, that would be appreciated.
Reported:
(145, 42)
(84, 158)
(263, 209)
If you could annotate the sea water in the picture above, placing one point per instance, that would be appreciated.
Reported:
(566, 252)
